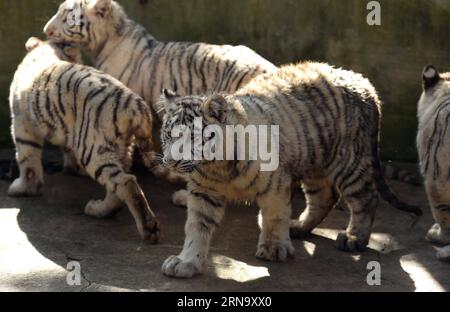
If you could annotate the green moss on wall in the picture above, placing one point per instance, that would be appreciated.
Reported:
(413, 34)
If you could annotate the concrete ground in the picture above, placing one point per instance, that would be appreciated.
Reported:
(40, 236)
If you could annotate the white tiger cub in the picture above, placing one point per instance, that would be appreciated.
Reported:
(125, 50)
(88, 113)
(433, 144)
(328, 141)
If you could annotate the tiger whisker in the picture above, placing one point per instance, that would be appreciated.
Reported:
(160, 110)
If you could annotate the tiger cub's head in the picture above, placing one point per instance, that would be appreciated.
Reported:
(53, 50)
(193, 129)
(436, 86)
(85, 22)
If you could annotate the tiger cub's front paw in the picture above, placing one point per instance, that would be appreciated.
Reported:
(438, 235)
(151, 231)
(99, 209)
(351, 243)
(176, 267)
(443, 254)
(277, 251)
(180, 198)
(25, 188)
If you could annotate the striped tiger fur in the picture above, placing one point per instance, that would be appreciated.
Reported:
(123, 49)
(92, 116)
(329, 131)
(433, 144)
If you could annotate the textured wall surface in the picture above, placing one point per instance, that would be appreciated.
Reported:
(413, 33)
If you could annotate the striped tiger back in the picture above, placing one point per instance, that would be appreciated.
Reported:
(123, 49)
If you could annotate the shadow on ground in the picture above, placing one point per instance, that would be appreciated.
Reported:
(41, 235)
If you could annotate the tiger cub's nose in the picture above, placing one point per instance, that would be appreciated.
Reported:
(49, 29)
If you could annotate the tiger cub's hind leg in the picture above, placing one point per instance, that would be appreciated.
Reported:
(104, 208)
(321, 198)
(29, 158)
(439, 200)
(126, 189)
(360, 194)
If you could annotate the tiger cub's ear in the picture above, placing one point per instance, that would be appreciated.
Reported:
(215, 108)
(169, 94)
(430, 77)
(166, 103)
(100, 8)
(33, 43)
